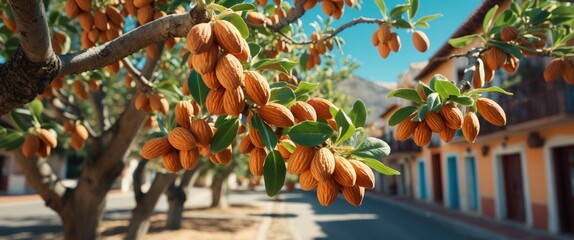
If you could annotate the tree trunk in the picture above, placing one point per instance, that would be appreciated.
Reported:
(177, 195)
(81, 220)
(219, 186)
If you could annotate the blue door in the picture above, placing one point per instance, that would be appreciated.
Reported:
(422, 181)
(453, 191)
(471, 183)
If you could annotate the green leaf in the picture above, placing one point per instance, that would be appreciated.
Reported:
(230, 3)
(401, 23)
(345, 127)
(397, 11)
(406, 93)
(254, 49)
(155, 135)
(372, 148)
(279, 84)
(289, 146)
(445, 89)
(358, 113)
(18, 121)
(282, 95)
(36, 107)
(414, 7)
(489, 89)
(429, 18)
(305, 87)
(274, 173)
(421, 114)
(225, 135)
(239, 23)
(243, 7)
(2, 131)
(538, 16)
(382, 8)
(283, 65)
(12, 141)
(488, 18)
(303, 60)
(197, 87)
(216, 7)
(508, 48)
(310, 133)
(433, 101)
(380, 167)
(268, 137)
(462, 41)
(401, 115)
(464, 100)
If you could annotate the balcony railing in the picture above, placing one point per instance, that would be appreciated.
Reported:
(398, 146)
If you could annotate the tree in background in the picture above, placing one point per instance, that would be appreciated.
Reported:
(197, 95)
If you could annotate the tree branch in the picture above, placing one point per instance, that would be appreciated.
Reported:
(336, 31)
(31, 22)
(472, 56)
(175, 25)
(290, 18)
(143, 84)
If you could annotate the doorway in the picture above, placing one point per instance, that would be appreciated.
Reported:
(564, 175)
(437, 178)
(422, 181)
(471, 183)
(3, 174)
(453, 191)
(513, 187)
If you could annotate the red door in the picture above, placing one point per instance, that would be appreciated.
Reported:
(564, 173)
(513, 187)
(3, 174)
(437, 178)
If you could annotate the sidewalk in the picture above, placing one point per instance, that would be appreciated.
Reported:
(473, 224)
(33, 197)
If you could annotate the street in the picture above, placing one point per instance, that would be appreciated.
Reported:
(306, 219)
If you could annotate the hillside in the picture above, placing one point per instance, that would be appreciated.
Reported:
(372, 94)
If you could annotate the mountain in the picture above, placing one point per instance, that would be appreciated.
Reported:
(374, 95)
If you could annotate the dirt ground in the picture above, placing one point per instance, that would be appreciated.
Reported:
(235, 222)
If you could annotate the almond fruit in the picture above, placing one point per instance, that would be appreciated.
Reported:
(434, 121)
(452, 116)
(199, 38)
(183, 112)
(224, 156)
(205, 62)
(384, 33)
(395, 42)
(447, 134)
(256, 160)
(233, 101)
(300, 160)
(256, 18)
(159, 103)
(491, 111)
(553, 69)
(323, 164)
(405, 129)
(422, 134)
(245, 53)
(214, 101)
(156, 147)
(227, 36)
(142, 101)
(321, 107)
(276, 115)
(202, 132)
(76, 141)
(189, 159)
(344, 172)
(327, 192)
(354, 194)
(81, 131)
(511, 64)
(181, 139)
(255, 138)
(44, 150)
(114, 15)
(85, 5)
(257, 88)
(229, 71)
(210, 79)
(141, 3)
(508, 33)
(171, 161)
(365, 175)
(71, 8)
(307, 182)
(568, 71)
(384, 50)
(470, 127)
(420, 41)
(375, 38)
(100, 20)
(303, 111)
(31, 145)
(80, 90)
(48, 138)
(245, 146)
(494, 58)
(285, 154)
(145, 14)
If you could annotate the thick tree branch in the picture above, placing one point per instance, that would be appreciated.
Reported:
(290, 18)
(336, 31)
(473, 55)
(31, 22)
(176, 25)
(143, 84)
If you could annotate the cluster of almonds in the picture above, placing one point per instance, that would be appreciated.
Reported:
(39, 143)
(320, 47)
(333, 8)
(58, 39)
(492, 59)
(186, 142)
(148, 102)
(386, 40)
(447, 120)
(557, 67)
(78, 133)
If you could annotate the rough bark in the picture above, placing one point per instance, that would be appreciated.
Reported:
(219, 187)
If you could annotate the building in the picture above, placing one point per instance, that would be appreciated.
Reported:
(521, 172)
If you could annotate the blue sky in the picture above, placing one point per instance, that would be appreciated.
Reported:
(358, 38)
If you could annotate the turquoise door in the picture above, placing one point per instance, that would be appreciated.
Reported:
(453, 191)
(422, 181)
(471, 183)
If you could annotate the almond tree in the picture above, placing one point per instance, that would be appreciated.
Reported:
(231, 50)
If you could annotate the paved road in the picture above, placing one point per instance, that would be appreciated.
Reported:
(374, 219)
